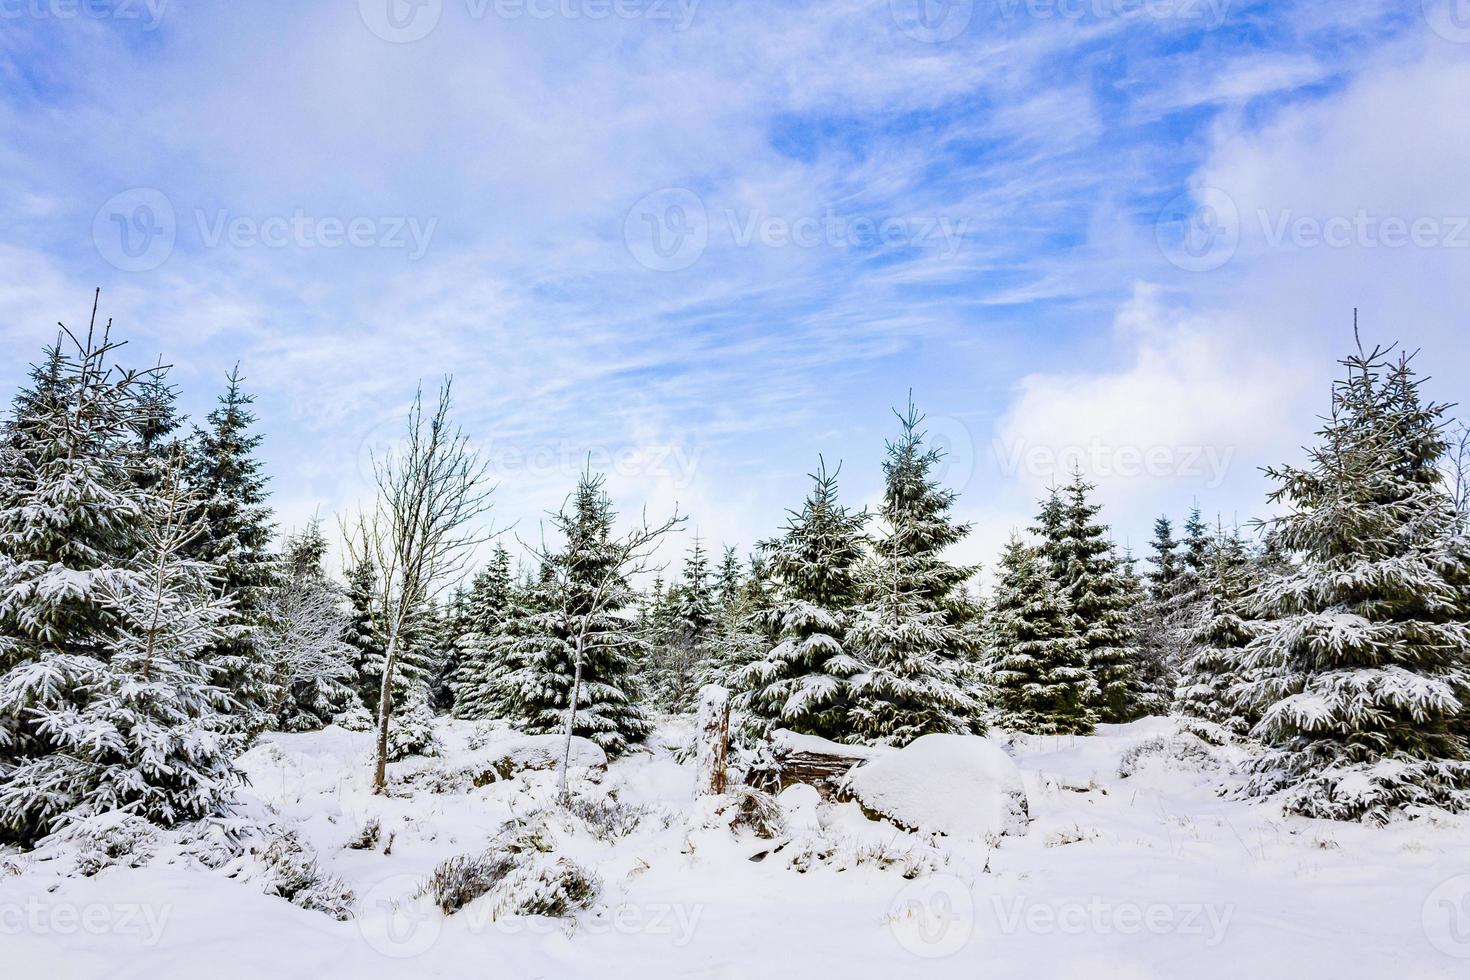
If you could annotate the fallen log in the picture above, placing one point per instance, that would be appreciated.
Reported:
(816, 762)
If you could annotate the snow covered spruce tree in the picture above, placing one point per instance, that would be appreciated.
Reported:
(802, 682)
(361, 636)
(1208, 679)
(497, 664)
(1157, 664)
(1358, 666)
(916, 657)
(487, 604)
(1082, 559)
(685, 627)
(570, 667)
(227, 481)
(79, 537)
(744, 627)
(1037, 659)
(144, 729)
(416, 538)
(303, 636)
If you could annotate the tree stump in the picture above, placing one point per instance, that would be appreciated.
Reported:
(713, 733)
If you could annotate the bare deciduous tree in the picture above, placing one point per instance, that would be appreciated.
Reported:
(590, 585)
(420, 531)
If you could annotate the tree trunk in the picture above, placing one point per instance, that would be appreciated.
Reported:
(566, 754)
(385, 713)
(713, 733)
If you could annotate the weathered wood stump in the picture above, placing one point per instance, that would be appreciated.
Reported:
(713, 734)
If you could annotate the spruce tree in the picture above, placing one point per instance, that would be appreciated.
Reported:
(303, 636)
(1038, 661)
(1157, 667)
(744, 630)
(915, 655)
(228, 482)
(103, 699)
(1358, 665)
(582, 594)
(802, 681)
(685, 627)
(1080, 556)
(142, 731)
(362, 635)
(487, 605)
(728, 580)
(1164, 559)
(1209, 678)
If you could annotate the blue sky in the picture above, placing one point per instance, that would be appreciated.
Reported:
(706, 241)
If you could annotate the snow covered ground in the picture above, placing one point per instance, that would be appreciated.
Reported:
(1149, 875)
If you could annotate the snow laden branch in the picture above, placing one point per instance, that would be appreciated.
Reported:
(591, 577)
(419, 534)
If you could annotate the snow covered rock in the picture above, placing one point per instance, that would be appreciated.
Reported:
(958, 785)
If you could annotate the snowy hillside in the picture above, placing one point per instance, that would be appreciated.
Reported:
(1152, 874)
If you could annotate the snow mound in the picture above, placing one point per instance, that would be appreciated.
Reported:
(543, 752)
(958, 785)
(500, 760)
(788, 742)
